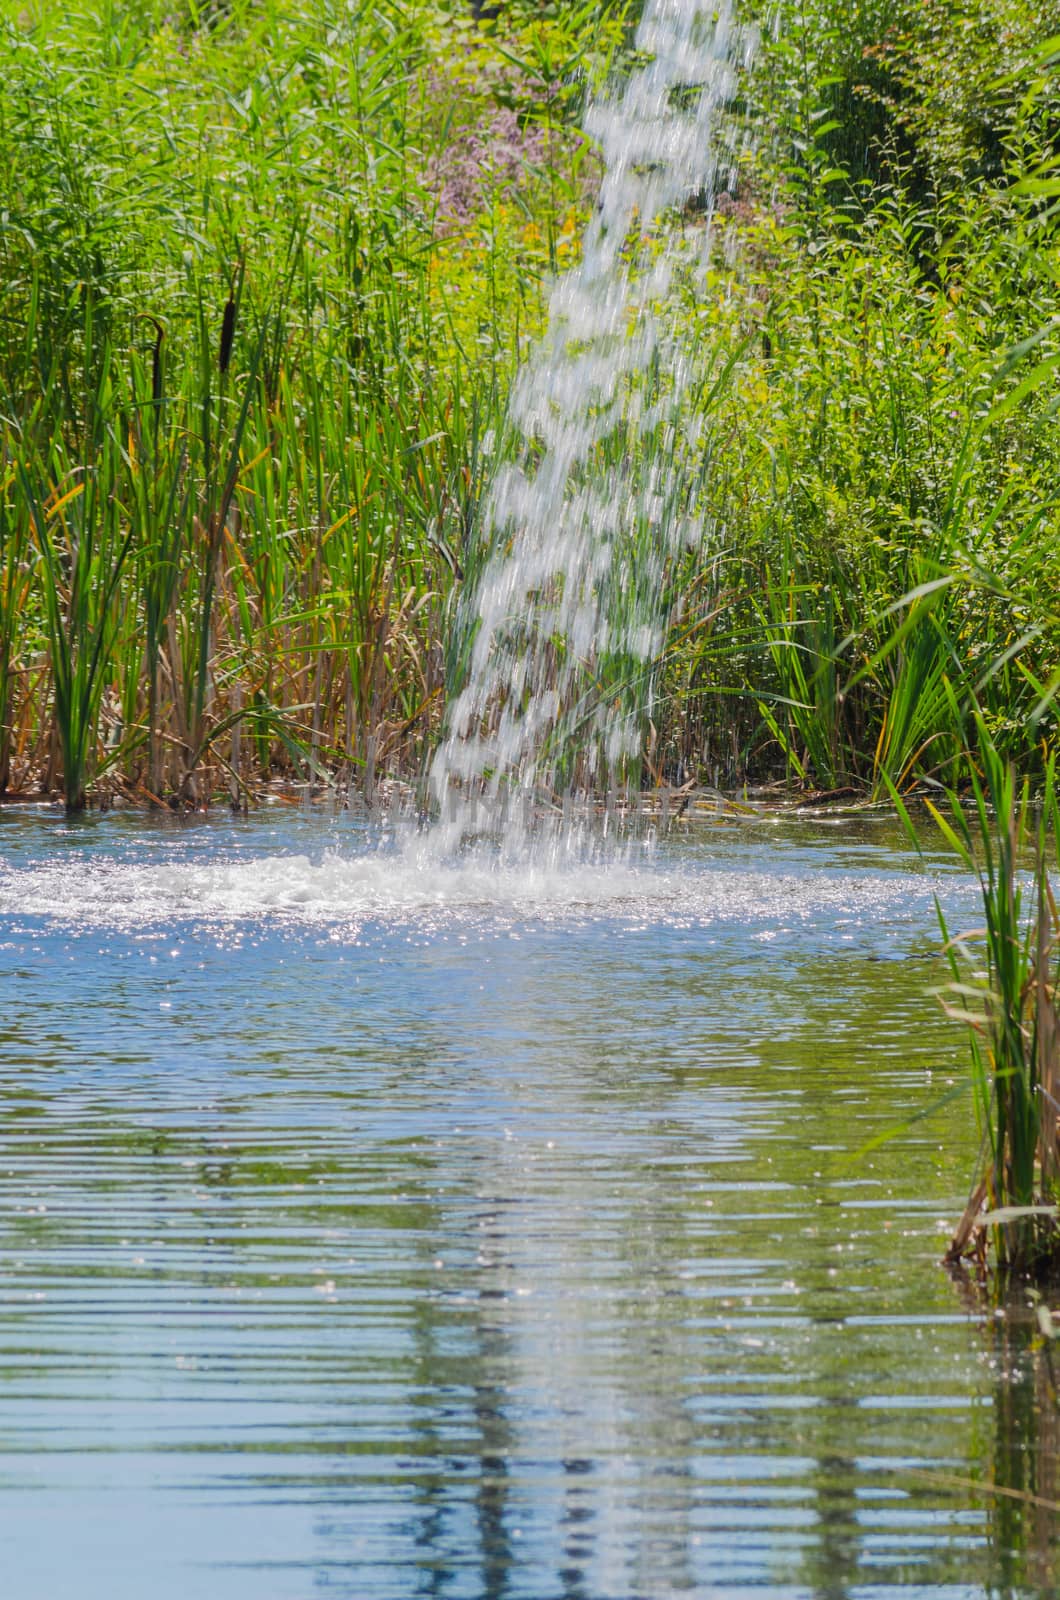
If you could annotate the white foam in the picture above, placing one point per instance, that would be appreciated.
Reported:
(415, 887)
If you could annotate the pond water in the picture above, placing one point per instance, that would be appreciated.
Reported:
(373, 1227)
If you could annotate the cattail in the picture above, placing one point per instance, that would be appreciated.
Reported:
(228, 333)
(156, 365)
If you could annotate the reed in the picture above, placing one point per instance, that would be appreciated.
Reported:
(1003, 987)
(257, 328)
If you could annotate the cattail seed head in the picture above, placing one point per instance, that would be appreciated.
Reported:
(228, 332)
(156, 365)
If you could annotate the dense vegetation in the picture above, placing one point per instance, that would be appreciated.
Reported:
(268, 272)
(883, 473)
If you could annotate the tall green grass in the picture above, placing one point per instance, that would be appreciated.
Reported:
(261, 310)
(1004, 977)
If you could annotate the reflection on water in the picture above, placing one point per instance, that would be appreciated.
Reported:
(402, 1235)
(1022, 1490)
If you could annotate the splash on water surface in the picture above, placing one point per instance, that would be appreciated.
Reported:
(760, 879)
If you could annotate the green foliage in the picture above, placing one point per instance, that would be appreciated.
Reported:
(263, 298)
(1007, 995)
(932, 94)
(882, 466)
(261, 558)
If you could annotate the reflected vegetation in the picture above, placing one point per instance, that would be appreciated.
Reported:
(1015, 1468)
(1025, 1508)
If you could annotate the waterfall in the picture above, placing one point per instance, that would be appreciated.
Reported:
(564, 615)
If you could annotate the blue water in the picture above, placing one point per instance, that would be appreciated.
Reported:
(380, 1226)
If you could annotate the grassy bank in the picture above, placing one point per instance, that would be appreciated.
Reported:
(268, 273)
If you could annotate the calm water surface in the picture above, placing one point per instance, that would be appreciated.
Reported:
(377, 1228)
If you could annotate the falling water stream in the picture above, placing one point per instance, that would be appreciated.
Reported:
(565, 615)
